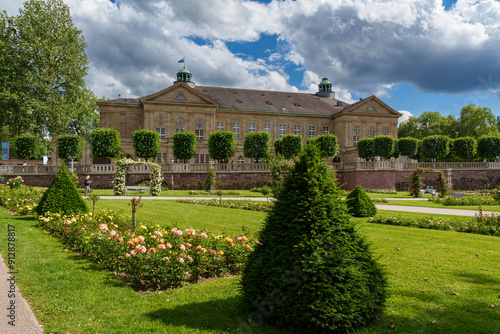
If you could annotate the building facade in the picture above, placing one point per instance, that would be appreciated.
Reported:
(202, 110)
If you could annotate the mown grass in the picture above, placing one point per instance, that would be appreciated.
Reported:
(70, 294)
(429, 204)
(174, 193)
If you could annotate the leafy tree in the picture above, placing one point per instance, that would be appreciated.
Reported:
(62, 196)
(476, 122)
(256, 144)
(85, 114)
(408, 146)
(359, 204)
(383, 146)
(105, 143)
(146, 143)
(427, 124)
(28, 147)
(278, 146)
(464, 148)
(328, 145)
(69, 145)
(365, 147)
(221, 145)
(436, 147)
(43, 65)
(184, 145)
(290, 145)
(311, 267)
(488, 147)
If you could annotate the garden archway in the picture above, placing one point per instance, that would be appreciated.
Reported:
(416, 182)
(122, 165)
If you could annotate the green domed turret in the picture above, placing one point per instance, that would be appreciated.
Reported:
(185, 76)
(325, 89)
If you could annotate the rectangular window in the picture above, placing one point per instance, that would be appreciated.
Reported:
(296, 129)
(220, 126)
(179, 130)
(312, 131)
(199, 134)
(282, 130)
(158, 158)
(267, 128)
(161, 131)
(180, 161)
(355, 140)
(164, 158)
(326, 129)
(251, 127)
(236, 130)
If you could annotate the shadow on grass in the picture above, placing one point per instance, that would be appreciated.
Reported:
(227, 315)
(87, 264)
(476, 278)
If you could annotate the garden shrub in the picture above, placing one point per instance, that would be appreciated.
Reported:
(28, 147)
(146, 143)
(105, 143)
(383, 146)
(464, 148)
(291, 145)
(70, 145)
(365, 147)
(221, 144)
(256, 145)
(359, 204)
(328, 145)
(488, 147)
(278, 147)
(408, 146)
(184, 145)
(436, 147)
(62, 196)
(210, 180)
(311, 267)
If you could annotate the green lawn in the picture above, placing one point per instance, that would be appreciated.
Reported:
(70, 294)
(429, 204)
(174, 193)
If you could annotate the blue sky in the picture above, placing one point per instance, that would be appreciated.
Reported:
(416, 55)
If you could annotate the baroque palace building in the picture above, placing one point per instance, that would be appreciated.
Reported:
(202, 110)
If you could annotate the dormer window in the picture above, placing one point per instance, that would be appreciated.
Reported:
(180, 97)
(239, 102)
(297, 105)
(269, 104)
(371, 108)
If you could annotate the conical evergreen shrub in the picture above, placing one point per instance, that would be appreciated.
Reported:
(311, 271)
(62, 196)
(359, 204)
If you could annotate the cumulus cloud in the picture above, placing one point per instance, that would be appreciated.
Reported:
(364, 47)
(406, 115)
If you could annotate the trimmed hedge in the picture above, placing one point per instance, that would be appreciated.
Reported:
(28, 147)
(464, 148)
(70, 145)
(327, 144)
(488, 147)
(408, 146)
(184, 145)
(257, 144)
(221, 145)
(105, 143)
(290, 145)
(365, 147)
(436, 147)
(146, 143)
(359, 204)
(383, 146)
(278, 147)
(311, 267)
(62, 196)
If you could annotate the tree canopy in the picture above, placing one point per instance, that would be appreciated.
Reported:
(43, 65)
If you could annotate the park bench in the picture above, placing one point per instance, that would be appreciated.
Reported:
(458, 195)
(138, 188)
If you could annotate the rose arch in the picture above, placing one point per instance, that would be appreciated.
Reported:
(122, 165)
(416, 182)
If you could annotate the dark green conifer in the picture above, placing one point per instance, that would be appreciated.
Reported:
(62, 196)
(311, 270)
(359, 204)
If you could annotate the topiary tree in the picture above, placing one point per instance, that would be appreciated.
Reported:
(146, 143)
(383, 146)
(436, 147)
(464, 148)
(359, 204)
(62, 196)
(408, 146)
(290, 145)
(105, 143)
(328, 145)
(278, 147)
(257, 145)
(488, 147)
(28, 147)
(70, 145)
(184, 145)
(311, 268)
(365, 147)
(221, 145)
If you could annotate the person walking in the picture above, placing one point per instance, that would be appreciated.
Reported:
(87, 185)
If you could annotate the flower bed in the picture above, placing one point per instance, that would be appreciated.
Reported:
(151, 258)
(232, 204)
(213, 192)
(482, 224)
(381, 191)
(22, 200)
(466, 200)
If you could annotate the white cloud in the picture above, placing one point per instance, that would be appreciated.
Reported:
(406, 115)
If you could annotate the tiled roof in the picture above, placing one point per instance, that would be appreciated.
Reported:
(270, 101)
